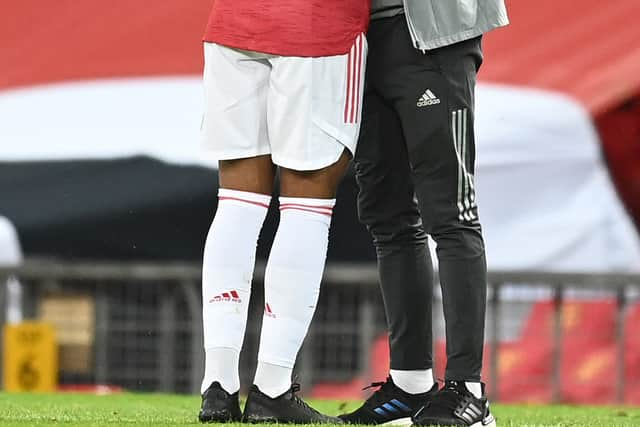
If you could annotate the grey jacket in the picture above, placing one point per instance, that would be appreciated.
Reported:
(437, 23)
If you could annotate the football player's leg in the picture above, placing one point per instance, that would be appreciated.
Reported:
(311, 142)
(228, 262)
(292, 285)
(436, 110)
(387, 206)
(238, 137)
(294, 270)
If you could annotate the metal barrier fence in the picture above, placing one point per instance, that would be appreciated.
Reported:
(148, 331)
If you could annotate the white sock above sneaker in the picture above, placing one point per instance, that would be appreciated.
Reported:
(227, 272)
(273, 380)
(222, 366)
(291, 287)
(413, 381)
(475, 388)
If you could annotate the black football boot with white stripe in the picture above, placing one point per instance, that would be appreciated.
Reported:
(388, 405)
(455, 405)
(218, 406)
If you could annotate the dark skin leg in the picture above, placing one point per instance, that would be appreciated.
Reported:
(317, 184)
(253, 174)
(257, 174)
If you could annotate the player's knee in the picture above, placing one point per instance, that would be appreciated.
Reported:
(253, 175)
(301, 184)
(397, 232)
(317, 184)
(458, 240)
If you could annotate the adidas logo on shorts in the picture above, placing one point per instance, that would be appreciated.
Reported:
(428, 98)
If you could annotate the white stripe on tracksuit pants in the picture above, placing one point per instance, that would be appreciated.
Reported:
(466, 200)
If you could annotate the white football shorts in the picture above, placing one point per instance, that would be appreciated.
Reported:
(302, 111)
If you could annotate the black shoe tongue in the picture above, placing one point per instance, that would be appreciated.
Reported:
(290, 396)
(458, 385)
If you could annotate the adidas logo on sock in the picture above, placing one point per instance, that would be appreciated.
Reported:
(231, 296)
(268, 312)
(428, 98)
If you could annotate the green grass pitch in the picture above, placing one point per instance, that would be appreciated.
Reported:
(131, 409)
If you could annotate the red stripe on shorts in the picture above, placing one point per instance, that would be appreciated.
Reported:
(348, 93)
(358, 81)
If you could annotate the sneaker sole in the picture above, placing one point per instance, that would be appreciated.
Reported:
(209, 419)
(271, 420)
(482, 424)
(398, 422)
(261, 420)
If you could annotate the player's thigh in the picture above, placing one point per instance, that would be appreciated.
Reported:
(317, 184)
(435, 105)
(314, 108)
(386, 201)
(252, 174)
(234, 123)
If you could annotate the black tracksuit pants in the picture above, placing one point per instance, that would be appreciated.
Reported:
(414, 166)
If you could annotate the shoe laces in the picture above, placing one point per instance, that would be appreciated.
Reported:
(295, 388)
(450, 396)
(382, 394)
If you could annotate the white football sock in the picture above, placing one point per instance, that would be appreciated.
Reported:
(227, 271)
(292, 285)
(475, 388)
(221, 364)
(272, 380)
(413, 381)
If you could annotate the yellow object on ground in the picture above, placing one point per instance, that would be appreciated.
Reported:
(30, 359)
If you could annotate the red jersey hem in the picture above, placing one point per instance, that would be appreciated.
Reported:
(302, 51)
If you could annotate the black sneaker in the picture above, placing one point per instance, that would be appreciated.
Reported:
(454, 405)
(218, 406)
(388, 405)
(287, 408)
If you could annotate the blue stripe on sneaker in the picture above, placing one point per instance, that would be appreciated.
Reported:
(380, 411)
(389, 407)
(401, 405)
